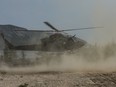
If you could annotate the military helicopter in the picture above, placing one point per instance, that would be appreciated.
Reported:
(17, 38)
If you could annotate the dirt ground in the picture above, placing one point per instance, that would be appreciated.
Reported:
(58, 79)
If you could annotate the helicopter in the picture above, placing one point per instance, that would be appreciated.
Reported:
(55, 40)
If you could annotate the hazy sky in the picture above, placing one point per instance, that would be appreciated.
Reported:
(63, 14)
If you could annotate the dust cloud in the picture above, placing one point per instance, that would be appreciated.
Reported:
(87, 59)
(104, 15)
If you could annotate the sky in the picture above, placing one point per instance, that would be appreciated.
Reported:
(64, 14)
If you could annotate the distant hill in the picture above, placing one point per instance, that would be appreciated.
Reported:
(10, 27)
(8, 31)
(18, 38)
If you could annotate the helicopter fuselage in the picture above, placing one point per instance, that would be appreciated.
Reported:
(17, 38)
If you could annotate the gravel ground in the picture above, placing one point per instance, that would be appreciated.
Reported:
(58, 79)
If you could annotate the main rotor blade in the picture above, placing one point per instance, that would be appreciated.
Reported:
(36, 30)
(52, 27)
(80, 29)
(59, 30)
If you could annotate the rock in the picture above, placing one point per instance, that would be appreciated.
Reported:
(23, 85)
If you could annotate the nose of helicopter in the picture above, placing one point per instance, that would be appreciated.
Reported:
(80, 43)
(74, 43)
